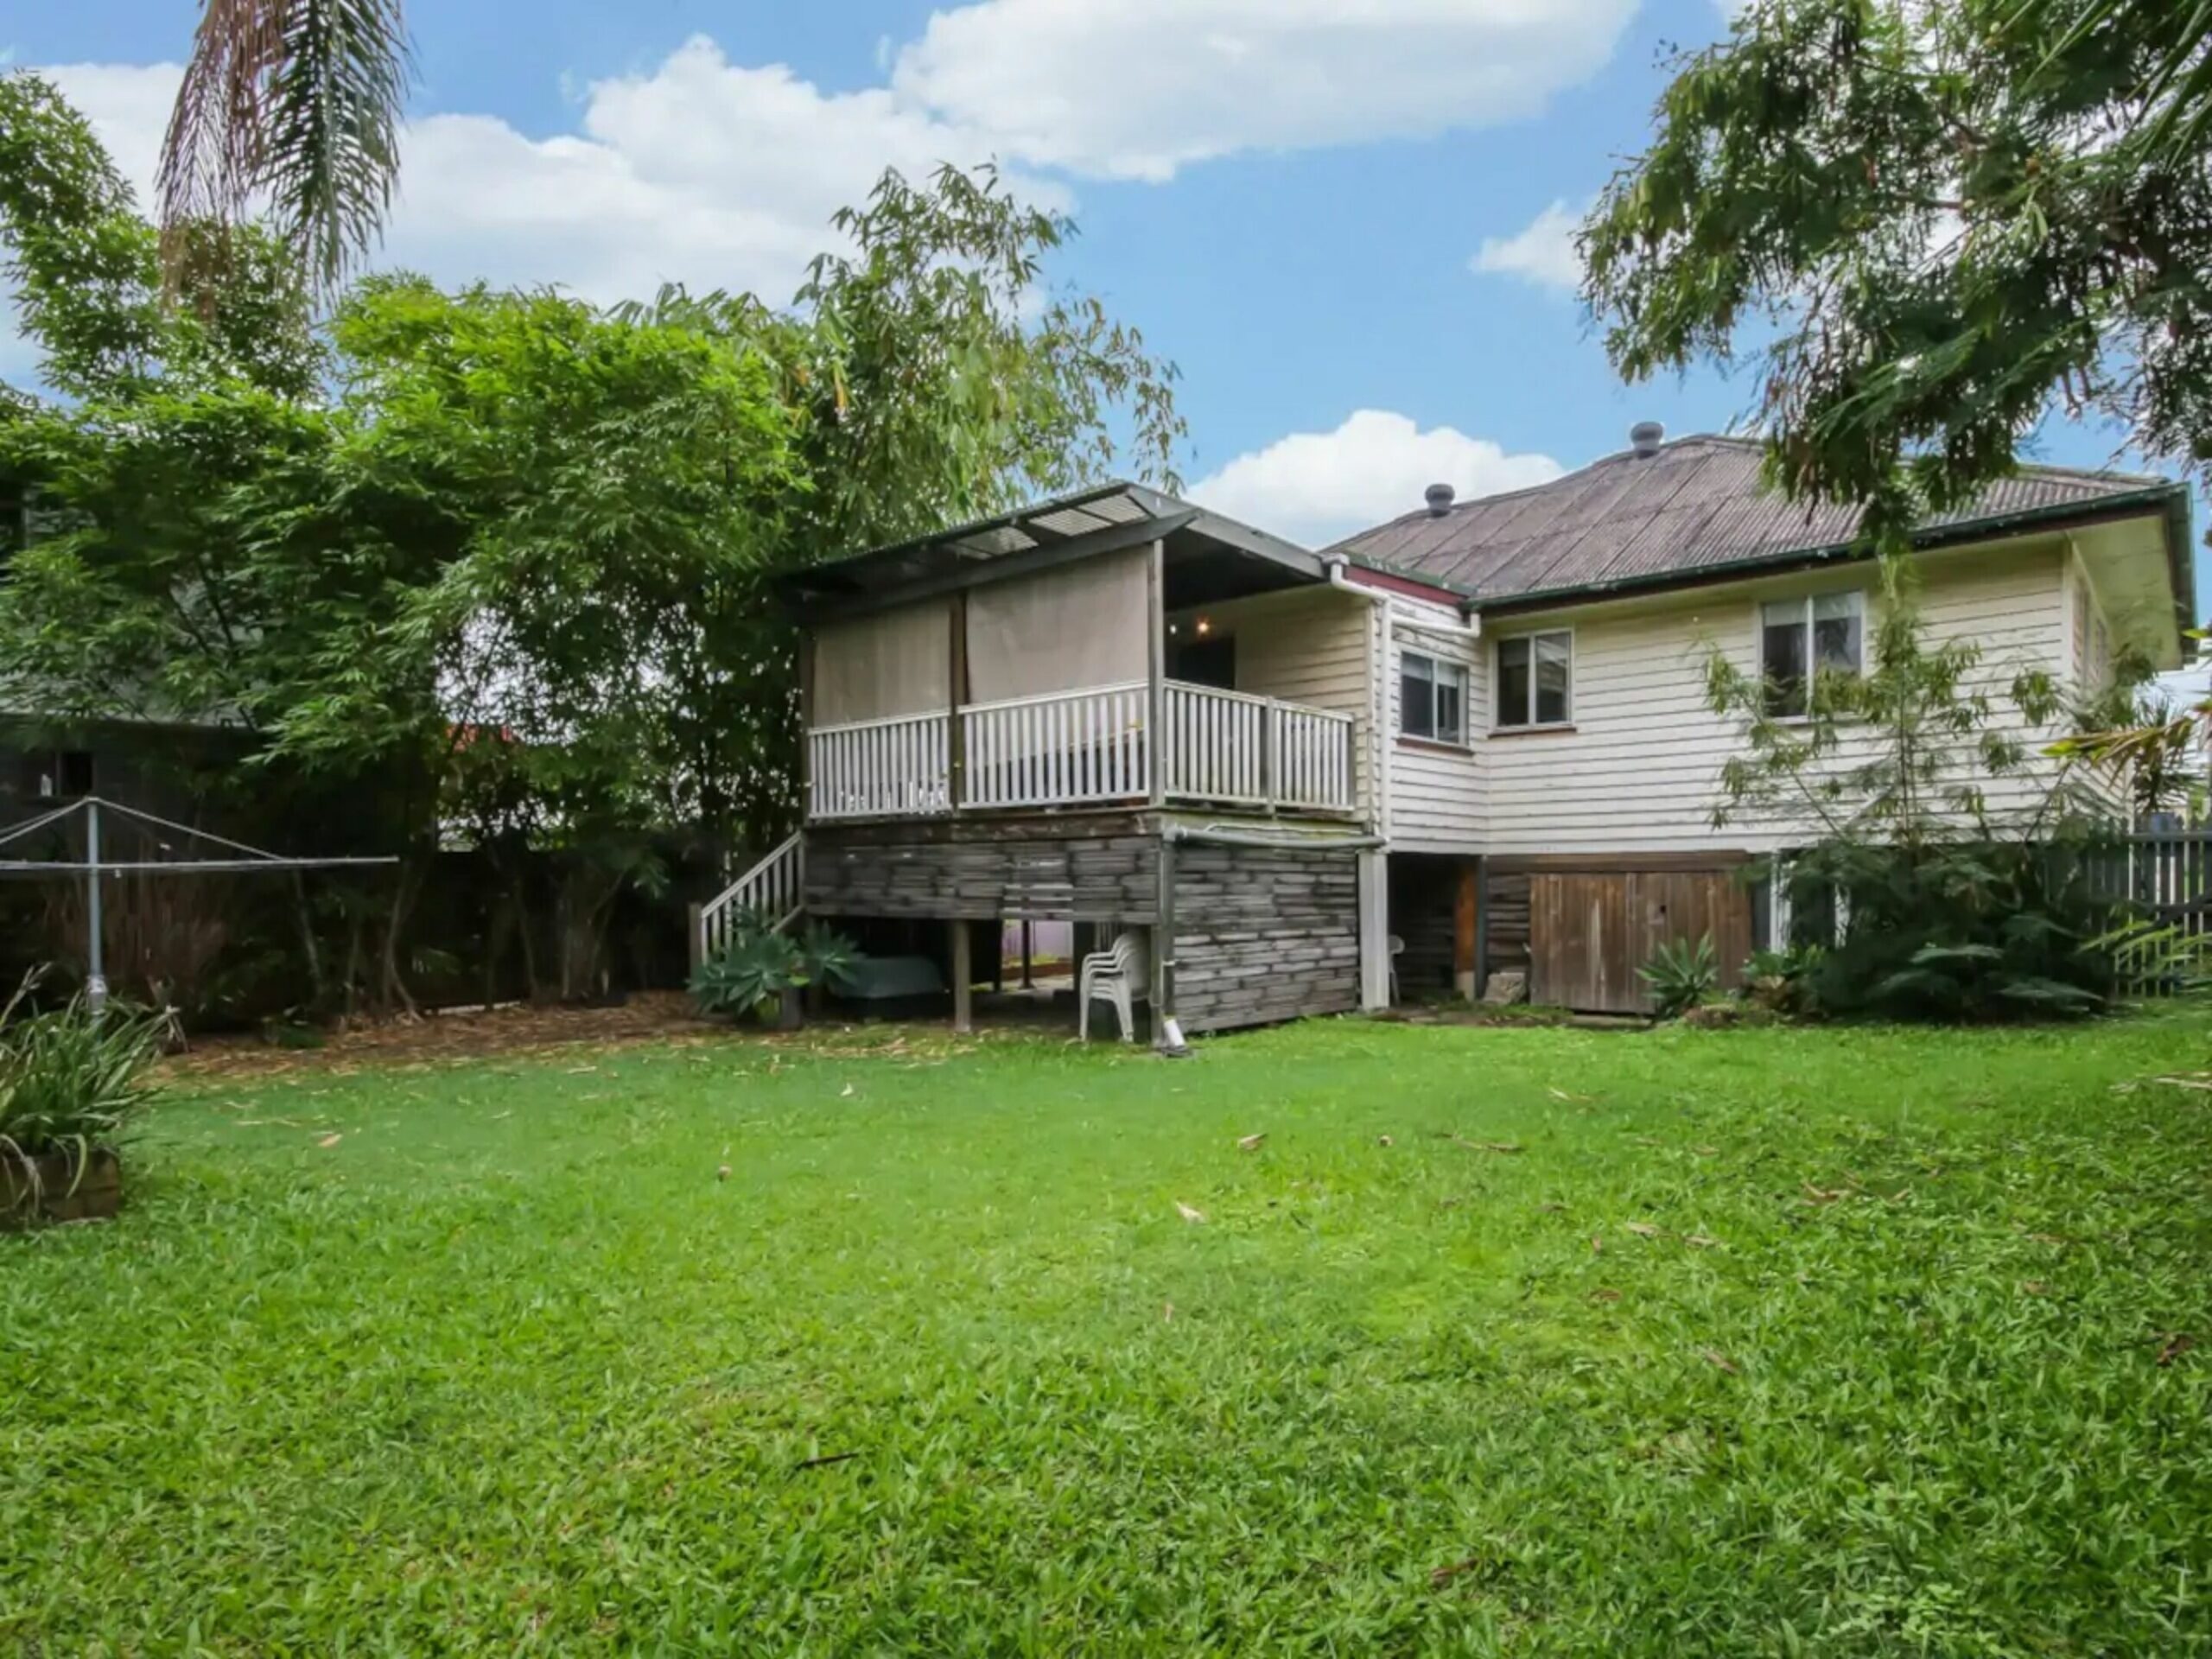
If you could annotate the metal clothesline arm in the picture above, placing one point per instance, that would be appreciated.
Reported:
(179, 865)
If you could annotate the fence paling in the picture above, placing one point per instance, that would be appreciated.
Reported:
(2162, 878)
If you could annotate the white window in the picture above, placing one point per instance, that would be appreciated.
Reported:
(1432, 698)
(1535, 675)
(1820, 633)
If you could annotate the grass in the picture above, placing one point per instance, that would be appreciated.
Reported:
(1773, 1342)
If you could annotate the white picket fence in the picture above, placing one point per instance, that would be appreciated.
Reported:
(1073, 749)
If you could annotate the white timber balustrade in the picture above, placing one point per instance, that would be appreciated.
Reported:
(1312, 753)
(899, 768)
(1073, 749)
(774, 890)
(1216, 744)
(1062, 749)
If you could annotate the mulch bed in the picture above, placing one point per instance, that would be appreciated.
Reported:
(451, 1036)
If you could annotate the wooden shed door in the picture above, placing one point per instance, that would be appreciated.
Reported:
(1589, 933)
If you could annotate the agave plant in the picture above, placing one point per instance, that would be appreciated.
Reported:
(750, 975)
(72, 1079)
(827, 957)
(1681, 975)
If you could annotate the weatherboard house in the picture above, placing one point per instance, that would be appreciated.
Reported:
(1473, 738)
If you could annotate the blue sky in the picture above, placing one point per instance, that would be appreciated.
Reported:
(1291, 197)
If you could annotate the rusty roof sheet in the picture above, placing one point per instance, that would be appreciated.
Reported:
(1695, 505)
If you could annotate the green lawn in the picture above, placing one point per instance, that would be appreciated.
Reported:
(940, 1368)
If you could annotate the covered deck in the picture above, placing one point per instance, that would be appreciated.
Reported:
(1059, 658)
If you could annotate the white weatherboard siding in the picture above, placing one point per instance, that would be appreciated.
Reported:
(1309, 645)
(1436, 793)
(1639, 772)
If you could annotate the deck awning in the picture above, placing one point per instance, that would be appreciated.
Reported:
(1210, 558)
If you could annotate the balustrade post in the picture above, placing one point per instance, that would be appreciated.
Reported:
(1271, 722)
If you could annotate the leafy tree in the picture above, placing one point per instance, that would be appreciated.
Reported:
(296, 104)
(1942, 905)
(86, 273)
(503, 562)
(1929, 224)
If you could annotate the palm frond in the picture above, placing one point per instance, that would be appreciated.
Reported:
(296, 103)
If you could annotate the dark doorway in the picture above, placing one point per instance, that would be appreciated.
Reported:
(1204, 662)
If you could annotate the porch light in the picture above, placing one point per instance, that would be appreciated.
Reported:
(1204, 626)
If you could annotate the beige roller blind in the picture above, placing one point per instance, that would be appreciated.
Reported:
(894, 663)
(1082, 624)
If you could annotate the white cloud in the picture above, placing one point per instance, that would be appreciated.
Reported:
(724, 174)
(1318, 487)
(1542, 252)
(1136, 89)
(702, 171)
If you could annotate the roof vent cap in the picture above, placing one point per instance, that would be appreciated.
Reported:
(1438, 496)
(1645, 437)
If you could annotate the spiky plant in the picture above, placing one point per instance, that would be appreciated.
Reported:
(71, 1079)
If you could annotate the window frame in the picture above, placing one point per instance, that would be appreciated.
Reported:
(1442, 670)
(1499, 723)
(1806, 602)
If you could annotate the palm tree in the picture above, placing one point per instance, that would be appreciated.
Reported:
(293, 105)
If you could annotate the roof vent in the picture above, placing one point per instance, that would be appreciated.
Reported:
(1438, 496)
(1645, 437)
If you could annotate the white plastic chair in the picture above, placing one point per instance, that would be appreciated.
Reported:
(1121, 977)
(1397, 949)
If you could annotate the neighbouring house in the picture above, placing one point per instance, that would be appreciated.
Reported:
(1475, 738)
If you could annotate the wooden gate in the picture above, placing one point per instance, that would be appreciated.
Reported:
(1589, 932)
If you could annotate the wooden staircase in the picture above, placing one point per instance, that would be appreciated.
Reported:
(773, 890)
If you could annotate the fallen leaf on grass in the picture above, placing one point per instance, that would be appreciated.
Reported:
(1188, 1213)
(1596, 1244)
(1819, 1194)
(846, 1093)
(1706, 1152)
(2034, 1288)
(1605, 1296)
(1714, 1356)
(1642, 1228)
(2177, 1345)
(1441, 1576)
(2197, 1080)
(1251, 1143)
(1167, 1314)
(1507, 1147)
(1561, 1094)
(1553, 1209)
(1699, 1242)
(329, 1140)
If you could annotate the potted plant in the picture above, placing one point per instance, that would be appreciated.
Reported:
(71, 1081)
(758, 972)
(762, 973)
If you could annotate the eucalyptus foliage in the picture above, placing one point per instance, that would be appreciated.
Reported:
(1931, 223)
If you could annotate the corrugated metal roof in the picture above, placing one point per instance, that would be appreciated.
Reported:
(1695, 506)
